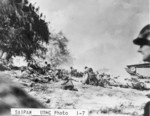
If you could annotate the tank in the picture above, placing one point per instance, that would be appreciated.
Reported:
(132, 69)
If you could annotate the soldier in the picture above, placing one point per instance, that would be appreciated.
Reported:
(47, 68)
(71, 71)
(91, 79)
(86, 69)
(68, 84)
(59, 74)
(143, 40)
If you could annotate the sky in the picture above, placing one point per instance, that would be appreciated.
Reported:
(100, 32)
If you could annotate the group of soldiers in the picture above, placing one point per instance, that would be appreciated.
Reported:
(50, 74)
(89, 77)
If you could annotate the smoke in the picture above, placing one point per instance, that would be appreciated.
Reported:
(100, 31)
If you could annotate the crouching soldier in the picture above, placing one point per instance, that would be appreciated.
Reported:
(139, 86)
(92, 80)
(68, 84)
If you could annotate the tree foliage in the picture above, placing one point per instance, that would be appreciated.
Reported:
(23, 29)
(24, 32)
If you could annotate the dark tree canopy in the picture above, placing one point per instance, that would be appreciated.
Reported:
(22, 29)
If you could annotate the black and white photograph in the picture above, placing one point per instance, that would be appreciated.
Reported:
(74, 58)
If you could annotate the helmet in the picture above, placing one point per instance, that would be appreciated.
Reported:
(142, 38)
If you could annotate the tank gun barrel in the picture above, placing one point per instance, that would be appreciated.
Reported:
(144, 65)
